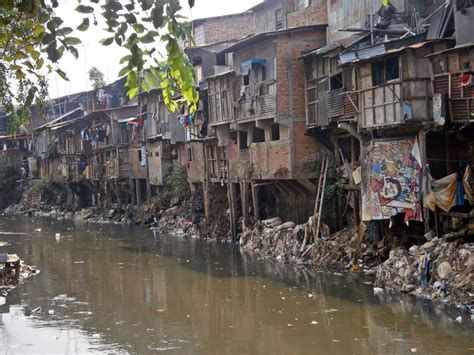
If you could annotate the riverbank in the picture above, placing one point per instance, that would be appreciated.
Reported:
(441, 270)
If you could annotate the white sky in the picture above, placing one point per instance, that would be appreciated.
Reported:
(91, 53)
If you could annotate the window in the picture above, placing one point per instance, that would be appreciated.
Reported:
(243, 140)
(275, 132)
(385, 71)
(157, 154)
(258, 135)
(189, 153)
(220, 59)
(336, 82)
(246, 80)
(278, 19)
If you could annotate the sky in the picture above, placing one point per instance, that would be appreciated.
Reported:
(106, 59)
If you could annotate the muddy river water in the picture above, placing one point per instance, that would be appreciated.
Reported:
(117, 289)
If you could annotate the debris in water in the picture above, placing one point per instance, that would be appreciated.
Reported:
(50, 312)
(314, 322)
(378, 291)
(459, 319)
(413, 350)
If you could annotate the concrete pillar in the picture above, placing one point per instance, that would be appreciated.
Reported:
(256, 207)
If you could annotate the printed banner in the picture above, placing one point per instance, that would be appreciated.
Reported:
(391, 181)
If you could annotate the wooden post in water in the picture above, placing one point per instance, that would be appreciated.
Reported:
(245, 202)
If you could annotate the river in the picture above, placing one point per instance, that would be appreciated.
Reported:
(118, 289)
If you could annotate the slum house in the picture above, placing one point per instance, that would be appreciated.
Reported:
(450, 147)
(15, 150)
(267, 16)
(257, 111)
(211, 37)
(161, 133)
(379, 91)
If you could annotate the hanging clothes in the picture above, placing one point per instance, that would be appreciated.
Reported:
(467, 79)
(442, 194)
(101, 135)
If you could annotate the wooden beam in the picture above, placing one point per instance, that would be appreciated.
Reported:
(308, 185)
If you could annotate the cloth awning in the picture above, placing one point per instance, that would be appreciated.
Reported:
(245, 66)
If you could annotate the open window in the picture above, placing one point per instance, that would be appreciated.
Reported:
(275, 132)
(336, 82)
(220, 59)
(246, 80)
(189, 154)
(385, 71)
(258, 135)
(243, 144)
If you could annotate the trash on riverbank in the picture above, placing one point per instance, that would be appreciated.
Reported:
(13, 272)
(437, 270)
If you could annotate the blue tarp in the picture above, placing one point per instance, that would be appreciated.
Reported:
(245, 66)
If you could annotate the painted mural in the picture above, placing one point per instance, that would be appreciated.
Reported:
(392, 181)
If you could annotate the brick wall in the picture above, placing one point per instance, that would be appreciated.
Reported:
(314, 14)
(270, 160)
(290, 71)
(306, 149)
(226, 28)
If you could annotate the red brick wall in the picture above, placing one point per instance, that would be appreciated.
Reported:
(305, 148)
(315, 14)
(228, 28)
(290, 71)
(271, 159)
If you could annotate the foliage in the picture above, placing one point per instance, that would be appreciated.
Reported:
(33, 39)
(334, 187)
(8, 186)
(97, 78)
(176, 183)
(47, 190)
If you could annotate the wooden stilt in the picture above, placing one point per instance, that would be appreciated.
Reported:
(138, 190)
(207, 202)
(233, 210)
(245, 202)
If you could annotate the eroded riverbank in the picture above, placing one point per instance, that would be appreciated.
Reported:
(122, 289)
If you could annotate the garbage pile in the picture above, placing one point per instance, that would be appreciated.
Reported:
(436, 270)
(295, 243)
(13, 272)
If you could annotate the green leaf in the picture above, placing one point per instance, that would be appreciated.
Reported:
(62, 74)
(64, 31)
(147, 39)
(124, 71)
(72, 41)
(132, 92)
(84, 9)
(84, 24)
(132, 79)
(107, 41)
(125, 59)
(139, 28)
(74, 52)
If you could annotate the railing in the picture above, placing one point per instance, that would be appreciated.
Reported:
(257, 100)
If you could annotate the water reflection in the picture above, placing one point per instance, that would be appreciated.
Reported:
(119, 289)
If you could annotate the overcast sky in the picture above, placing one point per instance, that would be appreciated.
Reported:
(91, 53)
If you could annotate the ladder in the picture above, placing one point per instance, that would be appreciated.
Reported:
(318, 206)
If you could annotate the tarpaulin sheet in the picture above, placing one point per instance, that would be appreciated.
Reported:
(391, 180)
(245, 66)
